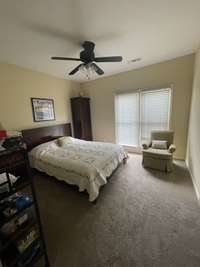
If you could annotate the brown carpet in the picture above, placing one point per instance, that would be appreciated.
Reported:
(143, 218)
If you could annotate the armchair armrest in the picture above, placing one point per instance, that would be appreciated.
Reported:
(145, 145)
(172, 148)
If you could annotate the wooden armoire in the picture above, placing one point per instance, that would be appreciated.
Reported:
(81, 118)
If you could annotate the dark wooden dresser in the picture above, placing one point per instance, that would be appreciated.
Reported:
(81, 118)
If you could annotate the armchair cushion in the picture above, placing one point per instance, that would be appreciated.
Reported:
(157, 153)
(172, 148)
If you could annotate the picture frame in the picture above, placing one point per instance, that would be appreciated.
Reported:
(43, 109)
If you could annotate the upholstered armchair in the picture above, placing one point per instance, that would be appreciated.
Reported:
(159, 159)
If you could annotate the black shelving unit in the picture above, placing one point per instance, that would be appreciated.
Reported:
(15, 162)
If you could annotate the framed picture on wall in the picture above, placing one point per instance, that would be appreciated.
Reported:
(43, 109)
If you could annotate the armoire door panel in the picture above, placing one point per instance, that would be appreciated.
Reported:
(81, 118)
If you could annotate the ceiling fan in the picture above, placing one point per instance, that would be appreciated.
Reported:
(87, 57)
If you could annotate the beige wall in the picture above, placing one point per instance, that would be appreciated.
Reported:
(178, 72)
(18, 85)
(193, 151)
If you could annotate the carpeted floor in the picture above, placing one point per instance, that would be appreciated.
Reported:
(143, 218)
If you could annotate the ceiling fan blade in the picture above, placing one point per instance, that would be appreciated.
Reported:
(66, 58)
(97, 69)
(108, 59)
(75, 69)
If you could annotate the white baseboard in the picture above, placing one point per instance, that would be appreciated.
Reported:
(194, 182)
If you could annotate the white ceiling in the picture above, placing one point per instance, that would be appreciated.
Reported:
(155, 30)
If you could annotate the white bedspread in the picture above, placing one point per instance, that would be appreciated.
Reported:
(86, 164)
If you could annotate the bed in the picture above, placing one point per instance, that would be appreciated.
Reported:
(83, 163)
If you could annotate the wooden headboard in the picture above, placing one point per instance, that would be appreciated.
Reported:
(36, 136)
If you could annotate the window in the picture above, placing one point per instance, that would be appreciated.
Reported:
(137, 114)
(128, 119)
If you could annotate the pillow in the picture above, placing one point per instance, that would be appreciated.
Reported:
(65, 140)
(159, 144)
(36, 151)
(172, 148)
(145, 145)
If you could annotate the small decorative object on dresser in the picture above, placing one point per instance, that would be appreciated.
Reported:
(3, 132)
(81, 118)
(81, 94)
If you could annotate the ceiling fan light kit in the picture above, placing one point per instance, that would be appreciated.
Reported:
(87, 56)
(87, 70)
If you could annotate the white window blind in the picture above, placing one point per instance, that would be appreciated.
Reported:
(127, 119)
(155, 106)
(137, 114)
